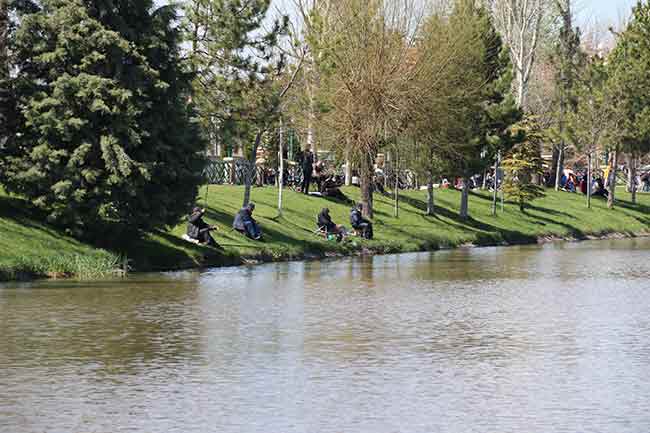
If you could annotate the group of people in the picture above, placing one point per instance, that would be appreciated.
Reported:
(328, 184)
(331, 230)
(199, 231)
(572, 182)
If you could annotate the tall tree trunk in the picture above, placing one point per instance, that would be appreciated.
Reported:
(396, 211)
(5, 93)
(521, 89)
(251, 169)
(496, 184)
(312, 106)
(280, 168)
(612, 180)
(632, 176)
(556, 152)
(560, 166)
(430, 202)
(589, 180)
(366, 173)
(348, 164)
(348, 172)
(464, 199)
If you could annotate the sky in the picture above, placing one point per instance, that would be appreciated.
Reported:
(603, 10)
(587, 10)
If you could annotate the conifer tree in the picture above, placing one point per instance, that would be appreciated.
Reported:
(587, 125)
(6, 100)
(106, 137)
(568, 60)
(493, 110)
(523, 164)
(629, 87)
(238, 69)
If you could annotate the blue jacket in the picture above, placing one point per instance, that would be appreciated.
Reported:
(355, 217)
(242, 217)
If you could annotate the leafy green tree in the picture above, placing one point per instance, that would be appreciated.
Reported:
(629, 84)
(239, 83)
(493, 110)
(568, 60)
(106, 137)
(523, 164)
(440, 117)
(6, 99)
(586, 127)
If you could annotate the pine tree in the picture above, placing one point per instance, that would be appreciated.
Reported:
(568, 60)
(629, 87)
(238, 70)
(587, 126)
(106, 137)
(493, 110)
(6, 100)
(523, 164)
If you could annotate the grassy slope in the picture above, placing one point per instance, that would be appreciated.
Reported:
(291, 236)
(558, 215)
(29, 247)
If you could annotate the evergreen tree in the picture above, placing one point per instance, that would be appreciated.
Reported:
(568, 60)
(493, 110)
(587, 125)
(523, 164)
(6, 100)
(238, 69)
(629, 87)
(106, 136)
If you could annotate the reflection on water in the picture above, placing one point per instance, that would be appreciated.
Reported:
(529, 339)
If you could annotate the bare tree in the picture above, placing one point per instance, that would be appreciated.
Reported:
(368, 64)
(520, 24)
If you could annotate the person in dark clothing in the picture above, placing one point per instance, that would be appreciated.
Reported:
(359, 223)
(246, 224)
(600, 190)
(319, 175)
(307, 170)
(326, 225)
(199, 230)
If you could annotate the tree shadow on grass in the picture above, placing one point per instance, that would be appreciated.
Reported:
(26, 215)
(486, 234)
(270, 234)
(634, 210)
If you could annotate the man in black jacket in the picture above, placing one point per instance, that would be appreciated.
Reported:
(326, 225)
(360, 224)
(246, 224)
(307, 170)
(199, 230)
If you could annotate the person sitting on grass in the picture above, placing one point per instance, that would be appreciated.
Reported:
(360, 224)
(199, 230)
(326, 225)
(246, 224)
(599, 189)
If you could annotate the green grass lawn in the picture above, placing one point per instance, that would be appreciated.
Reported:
(31, 248)
(26, 242)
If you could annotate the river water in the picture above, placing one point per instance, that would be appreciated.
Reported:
(523, 339)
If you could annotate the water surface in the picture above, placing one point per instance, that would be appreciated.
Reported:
(521, 339)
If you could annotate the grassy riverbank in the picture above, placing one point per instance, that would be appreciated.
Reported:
(29, 247)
